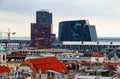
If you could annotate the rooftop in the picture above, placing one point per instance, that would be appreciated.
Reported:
(2, 50)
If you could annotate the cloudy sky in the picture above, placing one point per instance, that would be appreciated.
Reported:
(18, 14)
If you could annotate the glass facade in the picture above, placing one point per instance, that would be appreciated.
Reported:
(78, 30)
(43, 16)
(93, 34)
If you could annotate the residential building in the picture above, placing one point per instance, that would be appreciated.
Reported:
(14, 61)
(42, 65)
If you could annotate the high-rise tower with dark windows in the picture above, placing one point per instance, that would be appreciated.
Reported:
(43, 16)
(41, 31)
(77, 30)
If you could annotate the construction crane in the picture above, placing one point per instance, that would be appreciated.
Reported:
(8, 33)
(37, 42)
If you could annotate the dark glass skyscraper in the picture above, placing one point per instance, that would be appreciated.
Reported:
(41, 34)
(43, 16)
(78, 30)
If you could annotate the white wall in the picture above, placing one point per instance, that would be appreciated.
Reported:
(26, 68)
(100, 59)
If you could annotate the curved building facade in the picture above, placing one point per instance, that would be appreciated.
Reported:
(77, 30)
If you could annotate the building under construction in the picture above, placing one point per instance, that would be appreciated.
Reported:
(41, 31)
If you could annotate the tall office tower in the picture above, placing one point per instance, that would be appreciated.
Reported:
(41, 34)
(43, 16)
(77, 30)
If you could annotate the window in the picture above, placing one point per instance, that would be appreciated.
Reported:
(3, 57)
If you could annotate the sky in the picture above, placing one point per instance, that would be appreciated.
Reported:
(19, 14)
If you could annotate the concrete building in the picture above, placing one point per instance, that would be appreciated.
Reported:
(77, 30)
(14, 44)
(41, 31)
(104, 47)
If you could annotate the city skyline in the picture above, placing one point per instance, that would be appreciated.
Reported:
(17, 15)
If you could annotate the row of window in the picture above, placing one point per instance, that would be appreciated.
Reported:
(85, 47)
(11, 45)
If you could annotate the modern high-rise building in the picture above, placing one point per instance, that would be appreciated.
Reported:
(77, 30)
(43, 16)
(41, 31)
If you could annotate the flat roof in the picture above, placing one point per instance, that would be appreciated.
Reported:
(87, 43)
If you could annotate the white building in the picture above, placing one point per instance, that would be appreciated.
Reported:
(97, 57)
(2, 55)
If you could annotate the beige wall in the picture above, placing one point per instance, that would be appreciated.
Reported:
(13, 65)
(3, 61)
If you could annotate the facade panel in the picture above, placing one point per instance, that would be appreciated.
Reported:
(93, 34)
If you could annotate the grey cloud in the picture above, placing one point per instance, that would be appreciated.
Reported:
(65, 8)
(60, 8)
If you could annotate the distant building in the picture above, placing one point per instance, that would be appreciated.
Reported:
(40, 66)
(15, 44)
(14, 61)
(43, 16)
(39, 51)
(97, 57)
(77, 30)
(89, 46)
(2, 56)
(41, 31)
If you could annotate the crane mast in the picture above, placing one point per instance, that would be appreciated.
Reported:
(8, 34)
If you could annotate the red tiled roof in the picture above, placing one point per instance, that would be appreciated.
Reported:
(47, 63)
(97, 54)
(4, 69)
(28, 62)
